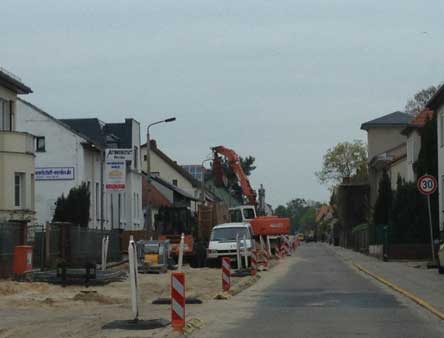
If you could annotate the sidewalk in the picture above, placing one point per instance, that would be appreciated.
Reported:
(426, 284)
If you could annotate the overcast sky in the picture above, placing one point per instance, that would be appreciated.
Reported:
(279, 80)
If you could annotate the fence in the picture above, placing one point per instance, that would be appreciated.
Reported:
(56, 243)
(62, 242)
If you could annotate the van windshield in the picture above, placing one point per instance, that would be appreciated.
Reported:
(229, 234)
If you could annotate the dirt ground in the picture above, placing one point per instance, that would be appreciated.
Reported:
(45, 310)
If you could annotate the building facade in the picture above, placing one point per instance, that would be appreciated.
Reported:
(16, 156)
(72, 152)
(387, 148)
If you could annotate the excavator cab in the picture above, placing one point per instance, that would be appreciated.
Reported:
(243, 213)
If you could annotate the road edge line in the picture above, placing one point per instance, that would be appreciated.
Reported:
(402, 291)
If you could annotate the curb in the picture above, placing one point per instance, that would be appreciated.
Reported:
(402, 291)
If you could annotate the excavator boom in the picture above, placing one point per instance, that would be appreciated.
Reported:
(234, 162)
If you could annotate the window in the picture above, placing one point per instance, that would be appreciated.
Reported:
(19, 190)
(175, 183)
(5, 115)
(40, 144)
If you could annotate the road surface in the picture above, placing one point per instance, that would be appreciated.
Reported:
(323, 296)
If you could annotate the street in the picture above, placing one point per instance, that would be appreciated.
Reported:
(322, 296)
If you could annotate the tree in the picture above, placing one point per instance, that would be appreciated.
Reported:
(247, 164)
(75, 207)
(346, 159)
(384, 201)
(419, 100)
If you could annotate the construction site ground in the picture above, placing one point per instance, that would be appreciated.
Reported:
(45, 310)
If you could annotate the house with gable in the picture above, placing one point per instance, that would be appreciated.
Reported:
(387, 149)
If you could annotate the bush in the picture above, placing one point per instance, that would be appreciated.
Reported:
(75, 207)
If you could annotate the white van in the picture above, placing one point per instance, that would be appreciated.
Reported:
(223, 240)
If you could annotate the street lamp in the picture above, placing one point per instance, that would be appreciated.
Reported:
(148, 218)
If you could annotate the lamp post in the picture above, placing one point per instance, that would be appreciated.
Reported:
(148, 218)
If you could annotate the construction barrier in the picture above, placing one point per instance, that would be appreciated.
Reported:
(265, 259)
(178, 301)
(226, 273)
(253, 262)
(287, 247)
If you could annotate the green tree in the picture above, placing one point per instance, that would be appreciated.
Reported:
(384, 201)
(419, 100)
(75, 207)
(346, 159)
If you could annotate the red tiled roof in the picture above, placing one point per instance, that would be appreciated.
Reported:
(420, 120)
(156, 198)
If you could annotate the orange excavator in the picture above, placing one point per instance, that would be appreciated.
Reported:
(262, 225)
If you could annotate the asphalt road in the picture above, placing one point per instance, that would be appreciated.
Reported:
(322, 296)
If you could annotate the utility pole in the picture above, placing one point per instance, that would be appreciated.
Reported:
(149, 217)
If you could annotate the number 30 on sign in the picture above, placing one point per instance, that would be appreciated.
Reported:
(427, 184)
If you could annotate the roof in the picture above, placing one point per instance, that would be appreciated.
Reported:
(390, 120)
(232, 225)
(173, 187)
(60, 122)
(323, 211)
(123, 131)
(172, 163)
(13, 83)
(418, 121)
(91, 127)
(101, 132)
(156, 198)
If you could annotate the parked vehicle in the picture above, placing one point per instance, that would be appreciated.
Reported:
(223, 241)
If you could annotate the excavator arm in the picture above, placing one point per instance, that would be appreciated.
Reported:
(234, 162)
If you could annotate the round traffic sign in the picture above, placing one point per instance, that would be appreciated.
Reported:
(427, 184)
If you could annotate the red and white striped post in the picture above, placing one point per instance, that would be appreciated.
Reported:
(178, 300)
(265, 259)
(282, 251)
(253, 262)
(287, 247)
(226, 273)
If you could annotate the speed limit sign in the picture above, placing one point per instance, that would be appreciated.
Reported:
(427, 184)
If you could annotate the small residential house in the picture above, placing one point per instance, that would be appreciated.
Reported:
(16, 155)
(387, 149)
(413, 134)
(170, 171)
(72, 151)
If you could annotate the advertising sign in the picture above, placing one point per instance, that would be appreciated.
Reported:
(118, 154)
(115, 175)
(54, 173)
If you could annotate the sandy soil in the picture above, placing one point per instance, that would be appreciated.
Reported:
(45, 310)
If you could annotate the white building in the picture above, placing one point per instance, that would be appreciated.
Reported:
(436, 104)
(70, 152)
(16, 155)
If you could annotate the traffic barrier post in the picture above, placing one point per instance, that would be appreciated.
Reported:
(226, 273)
(181, 247)
(245, 252)
(238, 255)
(134, 277)
(178, 301)
(253, 262)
